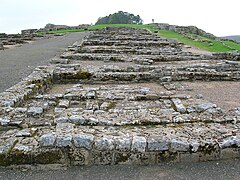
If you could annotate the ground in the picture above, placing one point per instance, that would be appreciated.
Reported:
(17, 63)
(213, 170)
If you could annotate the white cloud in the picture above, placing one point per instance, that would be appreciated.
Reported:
(219, 17)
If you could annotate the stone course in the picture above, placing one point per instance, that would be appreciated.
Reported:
(119, 97)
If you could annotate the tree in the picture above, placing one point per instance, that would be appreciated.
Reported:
(120, 18)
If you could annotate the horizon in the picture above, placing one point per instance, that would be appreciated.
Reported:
(208, 16)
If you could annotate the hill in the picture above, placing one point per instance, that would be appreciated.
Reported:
(189, 35)
(235, 38)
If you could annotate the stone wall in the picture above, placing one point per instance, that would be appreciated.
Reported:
(99, 111)
(184, 29)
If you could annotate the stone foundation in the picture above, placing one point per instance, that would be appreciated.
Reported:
(139, 110)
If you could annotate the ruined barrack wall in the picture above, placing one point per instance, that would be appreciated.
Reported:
(80, 111)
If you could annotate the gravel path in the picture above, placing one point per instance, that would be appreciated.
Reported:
(17, 63)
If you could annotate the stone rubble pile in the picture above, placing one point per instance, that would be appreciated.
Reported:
(134, 110)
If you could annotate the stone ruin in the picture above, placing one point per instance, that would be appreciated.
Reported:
(8, 40)
(123, 96)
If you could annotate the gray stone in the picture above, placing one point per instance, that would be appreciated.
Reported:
(156, 144)
(22, 148)
(178, 106)
(205, 106)
(64, 103)
(34, 111)
(178, 145)
(21, 110)
(66, 128)
(47, 139)
(123, 144)
(4, 121)
(230, 141)
(83, 140)
(24, 133)
(77, 119)
(90, 95)
(139, 144)
(93, 121)
(63, 119)
(104, 144)
(64, 140)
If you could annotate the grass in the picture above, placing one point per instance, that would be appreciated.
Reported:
(216, 45)
(232, 45)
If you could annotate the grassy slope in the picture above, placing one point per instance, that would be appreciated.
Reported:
(216, 47)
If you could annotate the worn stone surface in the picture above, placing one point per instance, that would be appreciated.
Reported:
(122, 96)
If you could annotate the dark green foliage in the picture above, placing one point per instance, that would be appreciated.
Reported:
(120, 18)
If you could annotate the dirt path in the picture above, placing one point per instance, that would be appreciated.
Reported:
(17, 63)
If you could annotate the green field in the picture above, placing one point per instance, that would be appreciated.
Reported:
(215, 46)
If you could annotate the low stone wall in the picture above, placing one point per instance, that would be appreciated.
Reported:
(78, 111)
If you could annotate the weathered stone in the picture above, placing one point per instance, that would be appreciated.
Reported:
(47, 139)
(77, 119)
(156, 144)
(83, 140)
(179, 145)
(123, 144)
(35, 111)
(205, 106)
(178, 106)
(64, 103)
(64, 140)
(4, 121)
(139, 144)
(105, 143)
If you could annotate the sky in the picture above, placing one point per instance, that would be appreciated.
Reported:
(219, 17)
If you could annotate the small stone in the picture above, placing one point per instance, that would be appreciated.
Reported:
(34, 111)
(156, 144)
(93, 121)
(123, 144)
(77, 119)
(64, 103)
(104, 144)
(23, 133)
(205, 106)
(178, 145)
(83, 140)
(64, 128)
(22, 148)
(47, 140)
(63, 119)
(230, 141)
(4, 121)
(90, 95)
(178, 106)
(64, 140)
(21, 110)
(139, 144)
(105, 106)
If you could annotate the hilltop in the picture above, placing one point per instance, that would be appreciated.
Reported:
(189, 35)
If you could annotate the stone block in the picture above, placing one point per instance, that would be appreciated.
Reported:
(83, 141)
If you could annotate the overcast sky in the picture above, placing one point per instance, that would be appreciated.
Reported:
(220, 17)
